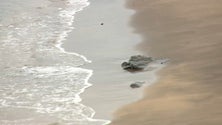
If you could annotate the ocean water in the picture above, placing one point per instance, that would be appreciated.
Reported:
(40, 82)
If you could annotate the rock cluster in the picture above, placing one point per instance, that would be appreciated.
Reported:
(137, 62)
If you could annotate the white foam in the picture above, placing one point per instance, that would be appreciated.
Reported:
(68, 16)
(52, 91)
(50, 85)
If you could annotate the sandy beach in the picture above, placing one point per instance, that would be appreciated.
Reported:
(66, 62)
(188, 91)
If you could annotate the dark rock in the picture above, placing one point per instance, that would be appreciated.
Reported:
(126, 65)
(137, 62)
(136, 84)
(101, 23)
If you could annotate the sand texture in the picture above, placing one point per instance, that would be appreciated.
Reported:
(189, 33)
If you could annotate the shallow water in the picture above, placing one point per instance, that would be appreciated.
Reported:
(40, 82)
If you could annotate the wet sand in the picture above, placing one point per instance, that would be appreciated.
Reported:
(188, 91)
(107, 46)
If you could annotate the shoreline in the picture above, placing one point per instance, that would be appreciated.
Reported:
(110, 41)
(107, 46)
(188, 91)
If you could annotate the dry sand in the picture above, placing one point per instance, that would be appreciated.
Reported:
(189, 90)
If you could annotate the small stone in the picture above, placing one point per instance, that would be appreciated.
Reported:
(136, 84)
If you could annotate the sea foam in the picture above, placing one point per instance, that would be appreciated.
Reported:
(40, 81)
